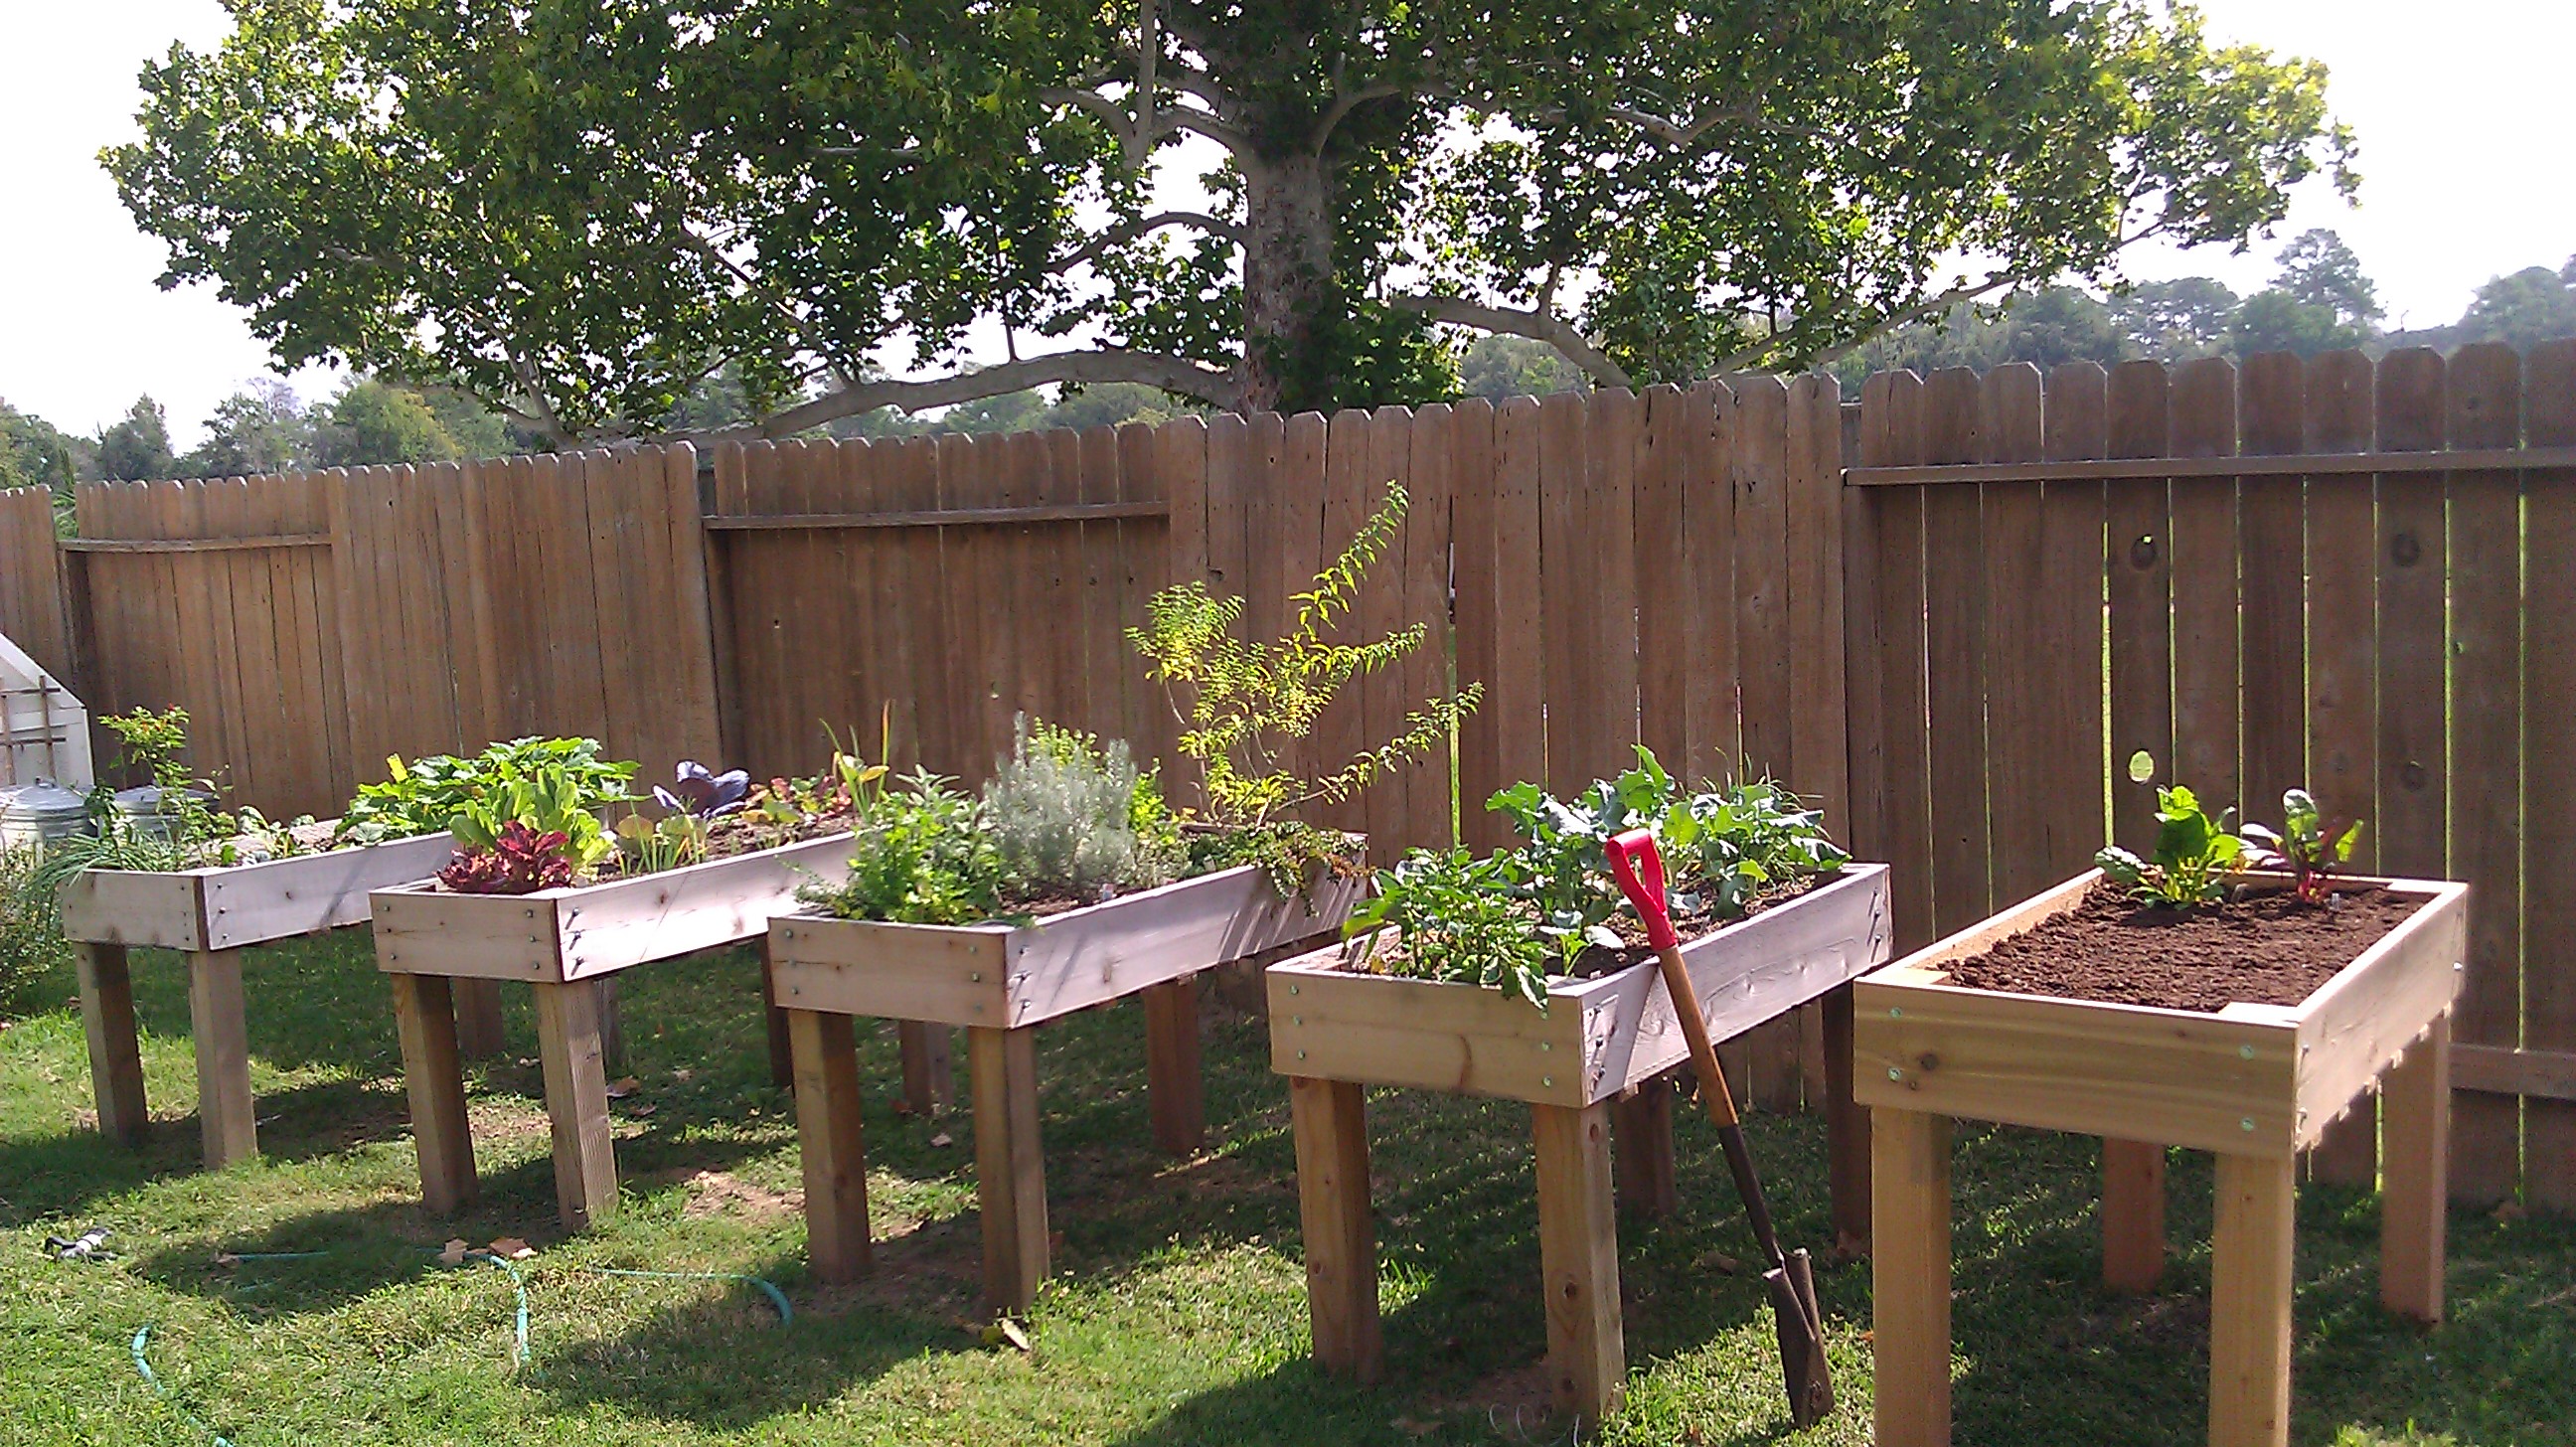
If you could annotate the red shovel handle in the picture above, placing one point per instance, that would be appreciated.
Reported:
(1639, 868)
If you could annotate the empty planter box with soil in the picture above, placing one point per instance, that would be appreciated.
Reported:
(541, 890)
(1523, 976)
(2230, 995)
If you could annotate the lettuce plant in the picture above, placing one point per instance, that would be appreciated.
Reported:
(421, 797)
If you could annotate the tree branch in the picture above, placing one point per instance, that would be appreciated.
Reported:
(1125, 232)
(1541, 326)
(1135, 137)
(1112, 364)
(777, 303)
(1343, 103)
(1679, 135)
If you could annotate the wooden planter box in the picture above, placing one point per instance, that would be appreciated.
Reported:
(568, 944)
(1601, 1043)
(2256, 1084)
(211, 915)
(1001, 982)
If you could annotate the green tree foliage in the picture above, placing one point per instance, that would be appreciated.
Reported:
(2319, 270)
(1495, 367)
(2175, 321)
(262, 428)
(373, 421)
(137, 448)
(578, 209)
(35, 453)
(2532, 305)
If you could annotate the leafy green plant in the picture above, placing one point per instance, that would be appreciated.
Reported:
(1241, 703)
(1455, 918)
(2309, 848)
(549, 804)
(31, 929)
(1542, 904)
(2193, 853)
(919, 855)
(1073, 817)
(422, 797)
(520, 860)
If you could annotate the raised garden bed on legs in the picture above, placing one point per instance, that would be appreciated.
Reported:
(1601, 1042)
(2255, 1083)
(211, 915)
(566, 944)
(1001, 982)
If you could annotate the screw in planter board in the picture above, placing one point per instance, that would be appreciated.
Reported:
(1545, 1046)
(975, 977)
(2245, 1123)
(2244, 1052)
(1301, 1054)
(1895, 1012)
(1292, 989)
(1895, 1074)
(1547, 1082)
(1296, 1019)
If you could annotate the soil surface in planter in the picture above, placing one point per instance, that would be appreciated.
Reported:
(2265, 950)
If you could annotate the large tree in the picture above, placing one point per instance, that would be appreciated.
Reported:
(578, 208)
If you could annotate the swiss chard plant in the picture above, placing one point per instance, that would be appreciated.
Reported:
(1242, 704)
(2193, 853)
(2307, 847)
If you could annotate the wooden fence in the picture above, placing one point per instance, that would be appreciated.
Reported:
(2362, 576)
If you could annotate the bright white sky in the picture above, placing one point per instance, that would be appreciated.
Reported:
(2442, 102)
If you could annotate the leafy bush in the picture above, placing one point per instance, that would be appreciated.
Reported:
(422, 797)
(1070, 817)
(1240, 703)
(2192, 855)
(920, 855)
(31, 930)
(520, 860)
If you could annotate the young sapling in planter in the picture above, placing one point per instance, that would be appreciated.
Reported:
(2193, 853)
(2307, 848)
(1242, 703)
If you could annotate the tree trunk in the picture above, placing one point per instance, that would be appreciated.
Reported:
(1287, 278)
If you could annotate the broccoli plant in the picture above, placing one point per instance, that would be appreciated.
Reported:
(2307, 847)
(2193, 853)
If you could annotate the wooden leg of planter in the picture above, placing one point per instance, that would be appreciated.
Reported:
(478, 1018)
(2416, 1111)
(2249, 1305)
(1172, 1084)
(1846, 1128)
(425, 1018)
(2348, 1154)
(568, 1038)
(1010, 1171)
(829, 1135)
(782, 1045)
(1909, 1156)
(115, 1053)
(929, 1072)
(2133, 1215)
(1642, 1134)
(1578, 1247)
(612, 1025)
(226, 1116)
(1330, 1118)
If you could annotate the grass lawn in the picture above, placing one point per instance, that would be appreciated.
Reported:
(1178, 1313)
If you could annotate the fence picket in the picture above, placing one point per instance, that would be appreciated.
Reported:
(2484, 396)
(2548, 742)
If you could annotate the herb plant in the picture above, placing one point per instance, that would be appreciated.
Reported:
(1241, 703)
(2309, 848)
(2193, 853)
(1071, 817)
(919, 856)
(1460, 919)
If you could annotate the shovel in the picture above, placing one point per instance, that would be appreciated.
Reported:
(1791, 1280)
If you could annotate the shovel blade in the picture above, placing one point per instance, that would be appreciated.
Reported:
(1802, 1348)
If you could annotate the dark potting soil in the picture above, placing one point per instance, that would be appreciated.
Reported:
(2267, 949)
